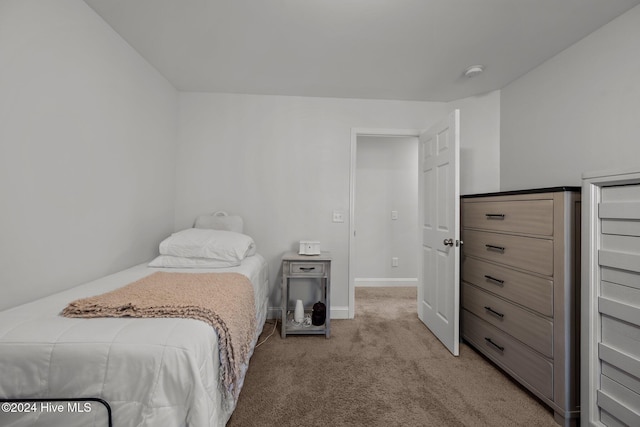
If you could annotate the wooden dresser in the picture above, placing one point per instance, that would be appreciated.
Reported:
(519, 289)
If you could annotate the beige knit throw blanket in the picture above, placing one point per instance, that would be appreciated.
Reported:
(223, 300)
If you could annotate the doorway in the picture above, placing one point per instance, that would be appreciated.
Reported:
(383, 209)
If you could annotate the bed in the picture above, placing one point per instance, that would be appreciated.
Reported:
(128, 371)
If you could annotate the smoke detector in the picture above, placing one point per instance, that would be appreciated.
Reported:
(473, 71)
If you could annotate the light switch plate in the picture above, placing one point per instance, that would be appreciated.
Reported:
(338, 216)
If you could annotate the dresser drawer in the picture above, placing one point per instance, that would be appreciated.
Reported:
(527, 253)
(307, 268)
(522, 216)
(517, 359)
(525, 289)
(531, 329)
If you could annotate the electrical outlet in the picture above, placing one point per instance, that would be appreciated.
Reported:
(338, 216)
(394, 261)
(394, 215)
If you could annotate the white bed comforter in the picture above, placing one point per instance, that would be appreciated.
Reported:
(152, 372)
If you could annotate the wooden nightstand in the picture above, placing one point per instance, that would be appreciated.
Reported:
(294, 268)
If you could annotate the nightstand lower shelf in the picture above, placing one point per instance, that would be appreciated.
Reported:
(294, 328)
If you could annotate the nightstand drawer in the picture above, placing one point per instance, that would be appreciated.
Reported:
(508, 353)
(531, 291)
(309, 268)
(522, 216)
(527, 253)
(532, 330)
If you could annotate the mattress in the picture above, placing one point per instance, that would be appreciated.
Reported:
(146, 372)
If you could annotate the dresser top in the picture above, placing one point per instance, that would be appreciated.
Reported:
(528, 191)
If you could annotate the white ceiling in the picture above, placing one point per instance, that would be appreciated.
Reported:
(383, 49)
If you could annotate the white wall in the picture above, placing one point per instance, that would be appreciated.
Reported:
(479, 143)
(283, 164)
(87, 144)
(577, 112)
(88, 138)
(386, 181)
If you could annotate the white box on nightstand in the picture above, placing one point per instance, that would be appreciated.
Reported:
(309, 247)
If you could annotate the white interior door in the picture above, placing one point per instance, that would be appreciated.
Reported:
(439, 218)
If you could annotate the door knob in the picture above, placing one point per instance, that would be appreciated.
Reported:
(448, 242)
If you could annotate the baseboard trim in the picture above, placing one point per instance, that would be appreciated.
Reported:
(386, 282)
(340, 312)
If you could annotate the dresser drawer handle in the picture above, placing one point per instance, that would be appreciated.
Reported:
(307, 269)
(493, 279)
(490, 341)
(494, 216)
(492, 311)
(495, 248)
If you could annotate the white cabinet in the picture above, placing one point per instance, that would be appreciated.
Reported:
(610, 377)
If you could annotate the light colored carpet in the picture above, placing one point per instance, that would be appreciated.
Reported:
(383, 368)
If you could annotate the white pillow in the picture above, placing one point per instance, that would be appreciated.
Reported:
(182, 262)
(219, 245)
